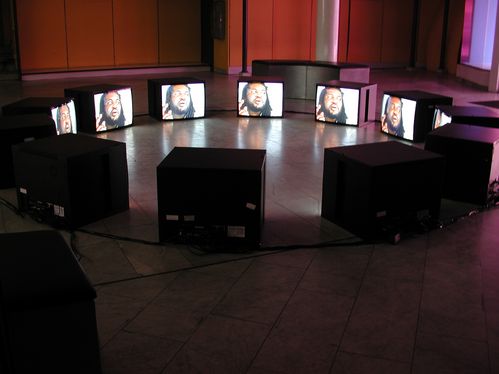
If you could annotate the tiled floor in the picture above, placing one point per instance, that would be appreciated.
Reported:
(429, 304)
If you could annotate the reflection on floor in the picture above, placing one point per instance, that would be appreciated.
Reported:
(429, 304)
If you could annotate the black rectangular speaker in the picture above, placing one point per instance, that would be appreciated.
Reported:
(472, 161)
(19, 129)
(377, 188)
(71, 180)
(212, 195)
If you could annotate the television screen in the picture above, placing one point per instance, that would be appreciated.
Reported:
(64, 117)
(337, 105)
(182, 100)
(440, 118)
(113, 109)
(398, 116)
(260, 99)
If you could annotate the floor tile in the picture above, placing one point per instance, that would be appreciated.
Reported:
(219, 345)
(384, 319)
(449, 355)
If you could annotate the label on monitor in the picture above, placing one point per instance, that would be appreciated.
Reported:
(381, 213)
(236, 231)
(23, 190)
(172, 217)
(58, 210)
(190, 218)
(251, 206)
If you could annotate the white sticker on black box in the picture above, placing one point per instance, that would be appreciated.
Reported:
(381, 213)
(251, 206)
(23, 190)
(172, 217)
(190, 218)
(58, 210)
(236, 231)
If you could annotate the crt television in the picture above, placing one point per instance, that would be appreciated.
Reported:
(260, 97)
(64, 116)
(470, 115)
(176, 98)
(60, 109)
(441, 117)
(409, 114)
(345, 103)
(337, 105)
(102, 107)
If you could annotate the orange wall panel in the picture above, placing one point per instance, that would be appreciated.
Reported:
(42, 34)
(364, 41)
(260, 16)
(292, 29)
(135, 32)
(397, 31)
(454, 34)
(235, 33)
(313, 30)
(90, 33)
(429, 33)
(179, 31)
(343, 30)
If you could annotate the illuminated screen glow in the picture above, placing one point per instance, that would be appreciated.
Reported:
(260, 99)
(337, 105)
(64, 117)
(440, 118)
(397, 116)
(113, 109)
(183, 100)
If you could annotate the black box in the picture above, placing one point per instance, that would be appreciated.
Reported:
(88, 110)
(417, 112)
(155, 95)
(71, 180)
(374, 189)
(18, 129)
(47, 309)
(472, 161)
(212, 195)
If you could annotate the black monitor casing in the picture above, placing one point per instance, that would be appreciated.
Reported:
(472, 161)
(212, 195)
(71, 180)
(17, 129)
(48, 322)
(34, 105)
(377, 188)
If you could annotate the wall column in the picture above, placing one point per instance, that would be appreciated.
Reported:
(328, 20)
(494, 67)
